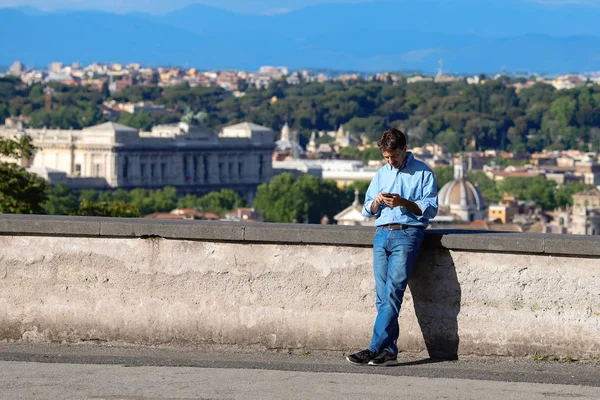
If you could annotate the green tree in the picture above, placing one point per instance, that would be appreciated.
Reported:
(443, 175)
(61, 200)
(306, 192)
(564, 194)
(276, 201)
(220, 202)
(486, 185)
(370, 153)
(20, 191)
(105, 91)
(349, 153)
(450, 139)
(304, 200)
(188, 201)
(537, 189)
(563, 110)
(107, 209)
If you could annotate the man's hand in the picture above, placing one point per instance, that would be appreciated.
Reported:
(397, 201)
(394, 201)
(377, 202)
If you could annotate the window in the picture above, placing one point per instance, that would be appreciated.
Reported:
(77, 169)
(205, 160)
(143, 170)
(186, 169)
(97, 170)
(152, 170)
(125, 167)
(163, 170)
(195, 171)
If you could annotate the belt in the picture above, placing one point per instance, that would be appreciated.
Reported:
(395, 227)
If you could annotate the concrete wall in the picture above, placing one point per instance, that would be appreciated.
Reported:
(292, 286)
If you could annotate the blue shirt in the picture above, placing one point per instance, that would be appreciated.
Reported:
(414, 181)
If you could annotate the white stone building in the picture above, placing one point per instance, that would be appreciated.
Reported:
(192, 159)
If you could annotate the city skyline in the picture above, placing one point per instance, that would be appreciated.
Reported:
(525, 37)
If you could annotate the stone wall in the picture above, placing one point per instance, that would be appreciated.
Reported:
(292, 286)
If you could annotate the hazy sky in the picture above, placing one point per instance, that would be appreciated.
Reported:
(162, 6)
(245, 6)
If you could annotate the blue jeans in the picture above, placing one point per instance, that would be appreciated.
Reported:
(395, 254)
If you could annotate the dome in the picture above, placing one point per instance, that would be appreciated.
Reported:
(461, 198)
(460, 193)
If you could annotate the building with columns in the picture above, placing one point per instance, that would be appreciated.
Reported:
(191, 158)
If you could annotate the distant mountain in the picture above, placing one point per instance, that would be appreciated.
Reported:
(487, 18)
(373, 36)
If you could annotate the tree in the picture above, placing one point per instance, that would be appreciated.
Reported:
(486, 185)
(220, 202)
(443, 175)
(564, 194)
(105, 91)
(305, 193)
(61, 200)
(370, 153)
(304, 200)
(537, 189)
(450, 139)
(275, 199)
(349, 153)
(563, 110)
(107, 209)
(188, 201)
(20, 191)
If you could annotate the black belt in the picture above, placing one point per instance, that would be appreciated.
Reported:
(395, 227)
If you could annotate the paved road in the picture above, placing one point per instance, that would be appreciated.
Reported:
(101, 371)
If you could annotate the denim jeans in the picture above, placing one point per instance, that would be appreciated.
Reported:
(395, 254)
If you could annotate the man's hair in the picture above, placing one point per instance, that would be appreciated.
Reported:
(391, 140)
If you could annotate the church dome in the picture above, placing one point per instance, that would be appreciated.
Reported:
(461, 193)
(461, 198)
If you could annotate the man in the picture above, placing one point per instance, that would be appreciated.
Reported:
(403, 197)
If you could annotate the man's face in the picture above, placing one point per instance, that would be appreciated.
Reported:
(395, 157)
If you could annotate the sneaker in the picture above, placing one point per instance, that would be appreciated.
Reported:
(385, 358)
(362, 357)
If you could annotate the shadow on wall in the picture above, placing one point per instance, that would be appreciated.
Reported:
(436, 296)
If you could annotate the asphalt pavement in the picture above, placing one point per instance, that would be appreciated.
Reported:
(112, 371)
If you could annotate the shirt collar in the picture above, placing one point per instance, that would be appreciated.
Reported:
(407, 161)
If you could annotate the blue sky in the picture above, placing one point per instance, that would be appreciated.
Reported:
(162, 6)
(245, 6)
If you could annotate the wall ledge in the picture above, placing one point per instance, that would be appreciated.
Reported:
(295, 234)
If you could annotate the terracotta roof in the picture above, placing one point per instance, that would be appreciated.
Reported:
(184, 213)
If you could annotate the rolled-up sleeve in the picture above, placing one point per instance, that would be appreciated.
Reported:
(370, 197)
(429, 203)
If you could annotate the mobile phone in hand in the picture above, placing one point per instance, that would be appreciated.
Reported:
(388, 195)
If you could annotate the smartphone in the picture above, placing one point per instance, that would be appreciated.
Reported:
(389, 195)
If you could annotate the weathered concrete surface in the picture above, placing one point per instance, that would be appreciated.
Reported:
(291, 295)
